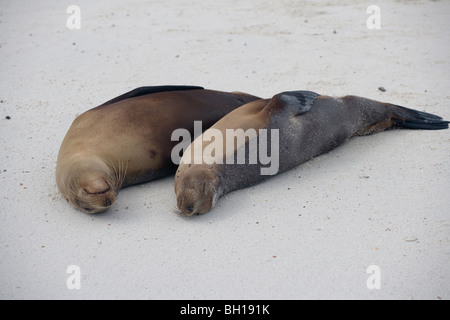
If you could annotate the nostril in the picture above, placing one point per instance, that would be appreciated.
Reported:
(108, 202)
(189, 208)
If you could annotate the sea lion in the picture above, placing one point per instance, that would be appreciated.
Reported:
(306, 125)
(127, 140)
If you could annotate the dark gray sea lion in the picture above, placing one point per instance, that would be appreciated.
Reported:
(127, 140)
(304, 125)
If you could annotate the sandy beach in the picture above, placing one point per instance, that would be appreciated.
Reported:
(369, 220)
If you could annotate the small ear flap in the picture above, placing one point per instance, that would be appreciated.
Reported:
(97, 186)
(295, 102)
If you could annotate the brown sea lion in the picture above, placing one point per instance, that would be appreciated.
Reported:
(292, 127)
(127, 140)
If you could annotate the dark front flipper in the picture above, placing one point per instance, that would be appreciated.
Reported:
(141, 91)
(412, 119)
(294, 102)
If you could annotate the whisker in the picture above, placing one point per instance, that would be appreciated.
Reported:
(178, 212)
(124, 174)
(112, 170)
(118, 174)
(73, 186)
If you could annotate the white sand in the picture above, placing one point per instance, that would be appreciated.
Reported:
(310, 233)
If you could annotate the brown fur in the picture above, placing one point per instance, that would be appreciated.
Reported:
(129, 141)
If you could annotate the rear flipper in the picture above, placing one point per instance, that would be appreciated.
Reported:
(412, 119)
(390, 116)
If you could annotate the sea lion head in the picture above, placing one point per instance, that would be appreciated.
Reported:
(197, 188)
(88, 184)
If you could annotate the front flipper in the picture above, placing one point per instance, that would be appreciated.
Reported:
(294, 102)
(141, 91)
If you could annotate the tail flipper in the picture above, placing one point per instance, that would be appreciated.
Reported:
(412, 119)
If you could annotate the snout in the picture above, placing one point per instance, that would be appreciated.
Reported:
(95, 203)
(186, 208)
(189, 207)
